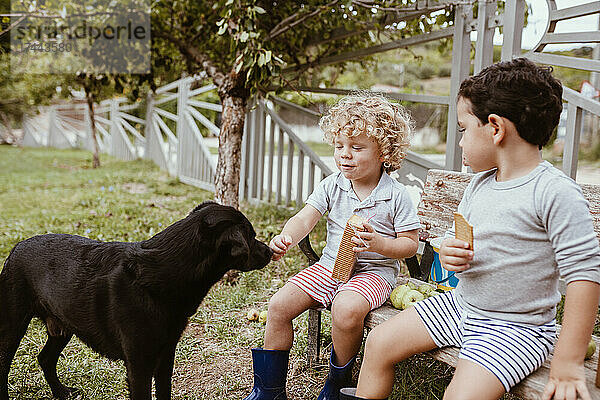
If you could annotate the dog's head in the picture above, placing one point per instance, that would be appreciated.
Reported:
(233, 236)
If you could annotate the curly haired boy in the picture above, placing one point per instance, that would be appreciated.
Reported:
(370, 136)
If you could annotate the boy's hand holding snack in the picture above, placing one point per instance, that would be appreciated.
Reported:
(455, 254)
(280, 245)
(366, 239)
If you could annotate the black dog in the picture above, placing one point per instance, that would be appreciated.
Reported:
(127, 301)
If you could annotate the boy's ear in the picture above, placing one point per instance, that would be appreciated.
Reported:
(498, 125)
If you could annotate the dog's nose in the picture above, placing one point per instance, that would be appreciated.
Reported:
(267, 253)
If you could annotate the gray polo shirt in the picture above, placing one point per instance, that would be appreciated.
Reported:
(389, 208)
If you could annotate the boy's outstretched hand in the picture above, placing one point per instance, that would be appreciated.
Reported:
(280, 245)
(455, 254)
(566, 382)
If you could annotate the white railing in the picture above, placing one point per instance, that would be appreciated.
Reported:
(277, 166)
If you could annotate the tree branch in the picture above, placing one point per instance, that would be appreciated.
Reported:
(17, 22)
(281, 27)
(192, 53)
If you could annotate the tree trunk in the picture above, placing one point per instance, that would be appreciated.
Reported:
(6, 136)
(227, 179)
(90, 103)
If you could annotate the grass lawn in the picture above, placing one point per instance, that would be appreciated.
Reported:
(47, 190)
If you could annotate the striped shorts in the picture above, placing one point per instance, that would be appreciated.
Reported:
(316, 281)
(508, 350)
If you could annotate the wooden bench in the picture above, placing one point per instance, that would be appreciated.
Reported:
(442, 192)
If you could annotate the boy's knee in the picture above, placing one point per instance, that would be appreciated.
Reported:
(281, 304)
(376, 342)
(347, 316)
(278, 304)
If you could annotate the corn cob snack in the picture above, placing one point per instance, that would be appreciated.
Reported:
(345, 259)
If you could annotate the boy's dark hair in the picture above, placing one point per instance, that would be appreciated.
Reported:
(519, 90)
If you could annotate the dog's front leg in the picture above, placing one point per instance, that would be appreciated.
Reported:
(139, 377)
(164, 372)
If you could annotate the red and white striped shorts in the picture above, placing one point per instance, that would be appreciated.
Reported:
(316, 281)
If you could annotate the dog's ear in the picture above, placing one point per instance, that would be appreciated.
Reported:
(222, 215)
(203, 205)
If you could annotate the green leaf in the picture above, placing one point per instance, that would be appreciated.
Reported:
(222, 29)
(244, 37)
(262, 60)
(259, 10)
(238, 67)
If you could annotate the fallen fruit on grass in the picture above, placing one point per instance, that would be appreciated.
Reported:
(252, 314)
(591, 349)
(262, 317)
(411, 297)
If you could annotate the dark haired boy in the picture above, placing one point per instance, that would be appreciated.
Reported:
(531, 226)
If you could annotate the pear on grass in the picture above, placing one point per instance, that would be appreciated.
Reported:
(262, 317)
(252, 314)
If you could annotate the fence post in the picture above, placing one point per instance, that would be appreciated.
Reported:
(461, 56)
(148, 126)
(514, 19)
(114, 132)
(571, 149)
(484, 47)
(52, 129)
(180, 128)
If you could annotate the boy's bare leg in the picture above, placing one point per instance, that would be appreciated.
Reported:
(473, 382)
(348, 313)
(389, 343)
(285, 305)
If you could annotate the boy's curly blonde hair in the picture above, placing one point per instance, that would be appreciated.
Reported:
(375, 116)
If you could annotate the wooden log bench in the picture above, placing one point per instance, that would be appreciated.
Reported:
(442, 192)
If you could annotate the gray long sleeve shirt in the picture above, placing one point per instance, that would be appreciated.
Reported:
(527, 232)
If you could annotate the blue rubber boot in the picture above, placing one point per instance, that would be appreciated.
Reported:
(350, 394)
(338, 378)
(270, 371)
